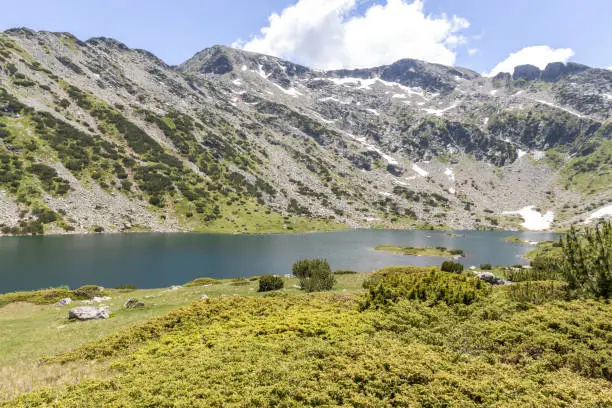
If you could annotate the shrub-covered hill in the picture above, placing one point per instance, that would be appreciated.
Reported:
(337, 350)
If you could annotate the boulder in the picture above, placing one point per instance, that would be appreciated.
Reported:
(133, 303)
(204, 297)
(492, 279)
(488, 277)
(100, 299)
(64, 302)
(88, 313)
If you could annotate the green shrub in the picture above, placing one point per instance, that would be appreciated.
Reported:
(451, 266)
(51, 295)
(431, 286)
(345, 272)
(543, 268)
(268, 283)
(314, 275)
(486, 267)
(88, 291)
(587, 266)
(538, 292)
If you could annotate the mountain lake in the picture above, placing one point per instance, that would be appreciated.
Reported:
(151, 260)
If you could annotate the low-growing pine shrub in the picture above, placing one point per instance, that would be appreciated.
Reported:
(268, 283)
(538, 292)
(429, 286)
(88, 291)
(345, 272)
(450, 266)
(315, 275)
(587, 265)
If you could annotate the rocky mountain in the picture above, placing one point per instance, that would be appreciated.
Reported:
(95, 136)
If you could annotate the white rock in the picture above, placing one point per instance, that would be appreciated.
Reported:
(88, 313)
(64, 302)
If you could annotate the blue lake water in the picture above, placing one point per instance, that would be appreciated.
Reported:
(158, 260)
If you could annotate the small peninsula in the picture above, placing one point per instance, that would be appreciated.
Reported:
(421, 251)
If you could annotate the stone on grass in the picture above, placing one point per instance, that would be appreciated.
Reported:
(100, 299)
(63, 302)
(88, 313)
(204, 297)
(492, 279)
(133, 303)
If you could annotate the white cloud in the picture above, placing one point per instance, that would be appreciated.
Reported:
(327, 34)
(473, 51)
(539, 55)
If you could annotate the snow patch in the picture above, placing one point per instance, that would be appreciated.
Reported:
(559, 107)
(493, 92)
(399, 96)
(440, 112)
(244, 68)
(420, 171)
(332, 99)
(366, 84)
(385, 194)
(533, 220)
(601, 213)
(520, 153)
(373, 112)
(291, 91)
(450, 174)
(486, 121)
(372, 148)
(452, 190)
(262, 73)
(608, 96)
(237, 82)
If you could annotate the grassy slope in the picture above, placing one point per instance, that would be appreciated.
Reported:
(320, 350)
(30, 332)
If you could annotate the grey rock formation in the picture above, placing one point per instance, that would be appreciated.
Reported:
(132, 303)
(527, 72)
(64, 302)
(88, 313)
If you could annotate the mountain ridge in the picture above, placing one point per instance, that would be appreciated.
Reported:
(242, 142)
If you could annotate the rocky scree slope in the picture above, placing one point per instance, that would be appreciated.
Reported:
(95, 136)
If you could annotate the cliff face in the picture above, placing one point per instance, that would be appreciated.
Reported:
(97, 136)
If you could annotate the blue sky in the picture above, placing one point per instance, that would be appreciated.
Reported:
(176, 30)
